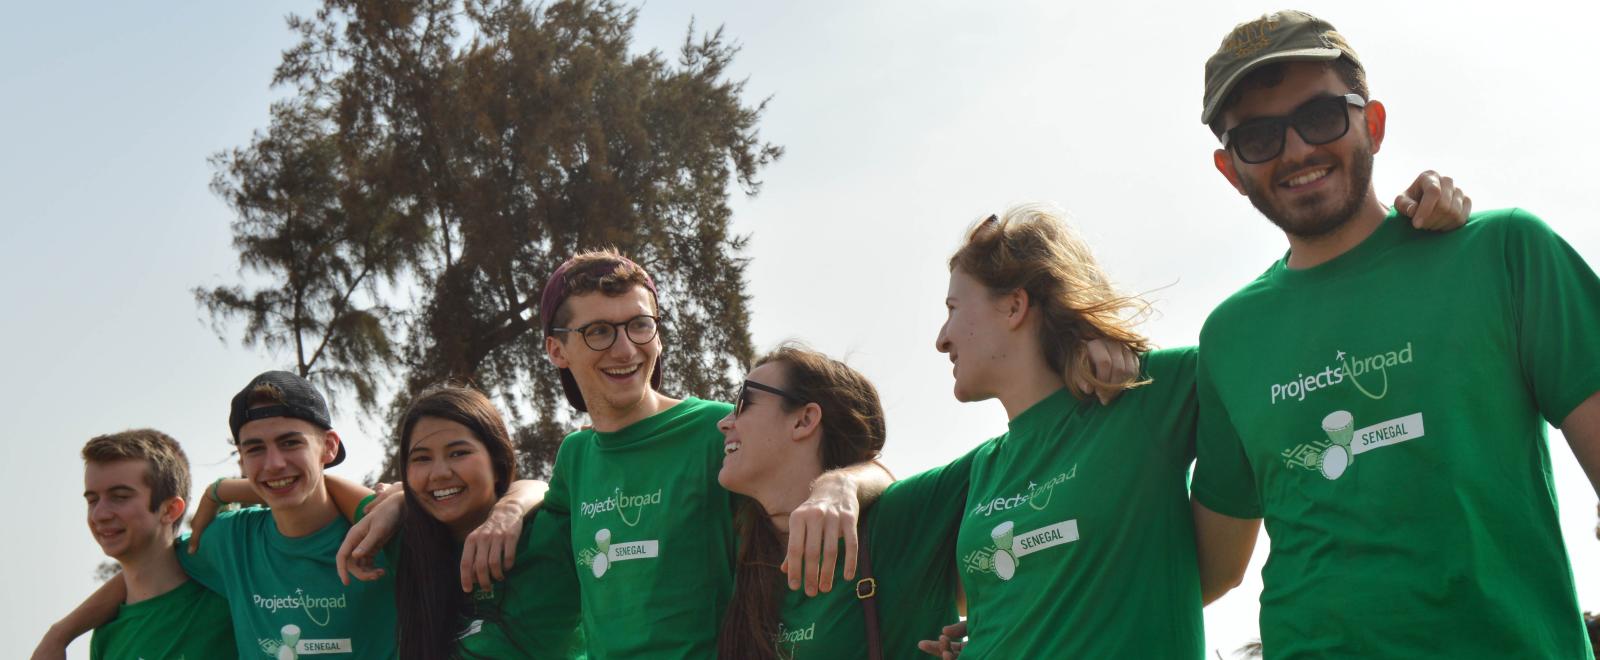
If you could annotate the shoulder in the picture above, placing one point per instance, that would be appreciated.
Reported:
(700, 409)
(1238, 304)
(1171, 363)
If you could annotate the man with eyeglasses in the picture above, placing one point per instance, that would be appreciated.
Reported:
(1378, 395)
(650, 527)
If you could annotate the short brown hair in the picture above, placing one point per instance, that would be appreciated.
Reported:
(1031, 247)
(1268, 76)
(166, 467)
(582, 278)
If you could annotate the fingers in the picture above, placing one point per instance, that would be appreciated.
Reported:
(342, 560)
(851, 545)
(1102, 363)
(794, 560)
(813, 556)
(930, 647)
(830, 556)
(496, 559)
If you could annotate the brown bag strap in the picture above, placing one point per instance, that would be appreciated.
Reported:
(867, 593)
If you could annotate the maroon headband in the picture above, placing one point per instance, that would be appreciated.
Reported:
(556, 291)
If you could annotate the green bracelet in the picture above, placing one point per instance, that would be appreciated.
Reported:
(212, 492)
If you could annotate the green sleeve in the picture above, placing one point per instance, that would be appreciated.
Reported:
(934, 496)
(1223, 480)
(1557, 300)
(361, 509)
(204, 565)
(558, 498)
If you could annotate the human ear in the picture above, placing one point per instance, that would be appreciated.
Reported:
(556, 352)
(1016, 308)
(330, 446)
(172, 510)
(1224, 164)
(810, 419)
(1377, 117)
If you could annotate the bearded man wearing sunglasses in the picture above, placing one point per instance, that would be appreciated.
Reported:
(1379, 395)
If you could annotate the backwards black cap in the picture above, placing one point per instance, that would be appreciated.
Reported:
(297, 399)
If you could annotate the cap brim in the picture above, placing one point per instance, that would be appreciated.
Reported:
(1314, 54)
(337, 459)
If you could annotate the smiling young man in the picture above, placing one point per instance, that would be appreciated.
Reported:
(135, 484)
(651, 529)
(276, 566)
(1394, 442)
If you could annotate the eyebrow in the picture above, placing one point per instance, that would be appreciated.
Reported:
(447, 445)
(114, 489)
(279, 438)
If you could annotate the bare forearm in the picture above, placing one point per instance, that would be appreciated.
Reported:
(1223, 545)
(346, 494)
(97, 610)
(1582, 428)
(867, 480)
(524, 496)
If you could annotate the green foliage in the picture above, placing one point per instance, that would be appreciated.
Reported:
(438, 160)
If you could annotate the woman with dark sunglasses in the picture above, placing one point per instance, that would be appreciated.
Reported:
(799, 414)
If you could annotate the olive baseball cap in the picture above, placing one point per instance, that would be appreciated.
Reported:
(296, 397)
(1276, 37)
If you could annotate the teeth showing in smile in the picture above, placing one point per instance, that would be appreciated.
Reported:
(280, 483)
(621, 371)
(1308, 177)
(446, 492)
(730, 448)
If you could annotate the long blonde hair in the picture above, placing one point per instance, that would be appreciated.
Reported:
(1031, 247)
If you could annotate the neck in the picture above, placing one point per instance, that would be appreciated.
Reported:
(1032, 382)
(607, 419)
(307, 517)
(464, 526)
(152, 572)
(1314, 251)
(784, 491)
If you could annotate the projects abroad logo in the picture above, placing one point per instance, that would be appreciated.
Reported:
(1009, 547)
(311, 605)
(291, 647)
(621, 503)
(600, 558)
(1368, 374)
(1037, 496)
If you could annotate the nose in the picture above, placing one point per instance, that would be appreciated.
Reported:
(100, 510)
(1295, 148)
(725, 425)
(274, 459)
(941, 342)
(440, 470)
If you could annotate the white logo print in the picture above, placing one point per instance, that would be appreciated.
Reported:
(291, 647)
(1337, 454)
(604, 554)
(1354, 369)
(1009, 547)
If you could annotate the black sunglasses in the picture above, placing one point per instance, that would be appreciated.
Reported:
(1318, 121)
(744, 395)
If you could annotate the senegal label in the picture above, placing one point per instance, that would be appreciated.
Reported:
(1010, 547)
(604, 553)
(292, 646)
(1337, 454)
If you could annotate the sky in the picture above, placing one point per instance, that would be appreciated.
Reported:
(903, 121)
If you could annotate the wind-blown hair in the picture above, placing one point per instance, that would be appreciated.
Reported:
(429, 603)
(1031, 247)
(853, 431)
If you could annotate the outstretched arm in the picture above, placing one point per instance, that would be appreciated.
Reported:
(1223, 545)
(99, 609)
(818, 524)
(491, 549)
(1582, 428)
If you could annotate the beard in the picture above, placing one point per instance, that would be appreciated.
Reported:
(1314, 216)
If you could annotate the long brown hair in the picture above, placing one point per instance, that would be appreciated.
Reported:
(1030, 247)
(852, 432)
(429, 603)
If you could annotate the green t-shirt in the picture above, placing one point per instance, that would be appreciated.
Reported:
(534, 612)
(652, 532)
(1078, 539)
(1382, 412)
(911, 536)
(186, 623)
(285, 591)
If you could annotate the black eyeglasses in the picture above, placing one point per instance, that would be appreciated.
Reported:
(744, 395)
(600, 335)
(1318, 121)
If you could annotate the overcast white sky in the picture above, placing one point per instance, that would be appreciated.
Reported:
(904, 121)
